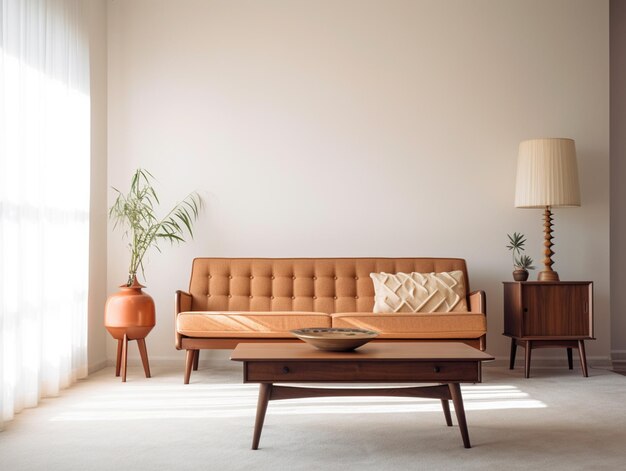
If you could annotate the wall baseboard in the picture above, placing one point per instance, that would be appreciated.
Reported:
(618, 358)
(538, 362)
(166, 362)
(219, 359)
(97, 366)
(178, 358)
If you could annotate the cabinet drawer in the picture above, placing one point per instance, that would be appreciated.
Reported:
(355, 371)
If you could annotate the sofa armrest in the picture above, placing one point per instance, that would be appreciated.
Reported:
(183, 303)
(477, 301)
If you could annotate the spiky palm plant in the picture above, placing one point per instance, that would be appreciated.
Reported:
(524, 262)
(516, 246)
(135, 213)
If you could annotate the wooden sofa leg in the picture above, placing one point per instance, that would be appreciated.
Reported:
(189, 364)
(196, 359)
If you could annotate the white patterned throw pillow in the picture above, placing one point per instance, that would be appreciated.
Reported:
(419, 292)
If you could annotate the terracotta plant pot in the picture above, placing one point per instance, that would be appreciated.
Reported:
(520, 274)
(129, 314)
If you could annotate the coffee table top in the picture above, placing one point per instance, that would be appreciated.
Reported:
(375, 351)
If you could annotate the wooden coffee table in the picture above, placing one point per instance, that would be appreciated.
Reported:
(447, 364)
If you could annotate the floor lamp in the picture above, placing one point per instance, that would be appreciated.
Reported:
(547, 177)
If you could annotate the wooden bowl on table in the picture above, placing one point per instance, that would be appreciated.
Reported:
(335, 339)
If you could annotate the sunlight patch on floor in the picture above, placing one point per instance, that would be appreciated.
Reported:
(239, 400)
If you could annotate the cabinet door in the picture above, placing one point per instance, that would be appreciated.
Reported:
(556, 310)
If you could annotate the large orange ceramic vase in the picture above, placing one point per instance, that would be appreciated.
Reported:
(130, 315)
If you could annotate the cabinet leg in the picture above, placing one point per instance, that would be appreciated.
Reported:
(513, 353)
(529, 349)
(570, 359)
(583, 357)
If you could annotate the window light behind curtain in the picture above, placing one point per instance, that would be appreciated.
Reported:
(44, 199)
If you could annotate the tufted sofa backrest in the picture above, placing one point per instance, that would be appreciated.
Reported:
(299, 284)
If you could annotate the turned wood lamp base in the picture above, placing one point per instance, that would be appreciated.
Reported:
(547, 274)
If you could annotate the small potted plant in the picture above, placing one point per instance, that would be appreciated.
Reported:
(130, 313)
(521, 263)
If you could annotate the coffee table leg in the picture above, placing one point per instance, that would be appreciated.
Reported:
(457, 400)
(446, 411)
(265, 391)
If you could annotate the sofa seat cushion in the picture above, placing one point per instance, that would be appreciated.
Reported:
(268, 324)
(451, 325)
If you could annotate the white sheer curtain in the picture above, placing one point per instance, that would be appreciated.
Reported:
(44, 199)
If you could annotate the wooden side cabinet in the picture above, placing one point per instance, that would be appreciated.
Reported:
(548, 314)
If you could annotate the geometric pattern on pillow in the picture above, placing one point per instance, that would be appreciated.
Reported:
(419, 292)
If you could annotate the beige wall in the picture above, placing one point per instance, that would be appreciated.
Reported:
(618, 176)
(96, 11)
(360, 128)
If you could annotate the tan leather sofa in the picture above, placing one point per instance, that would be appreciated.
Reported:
(232, 300)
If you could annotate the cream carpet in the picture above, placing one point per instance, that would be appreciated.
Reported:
(555, 420)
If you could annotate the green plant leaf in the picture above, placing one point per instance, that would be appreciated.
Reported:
(134, 213)
(524, 262)
(516, 241)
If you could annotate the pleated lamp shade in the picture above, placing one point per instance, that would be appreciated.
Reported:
(547, 174)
